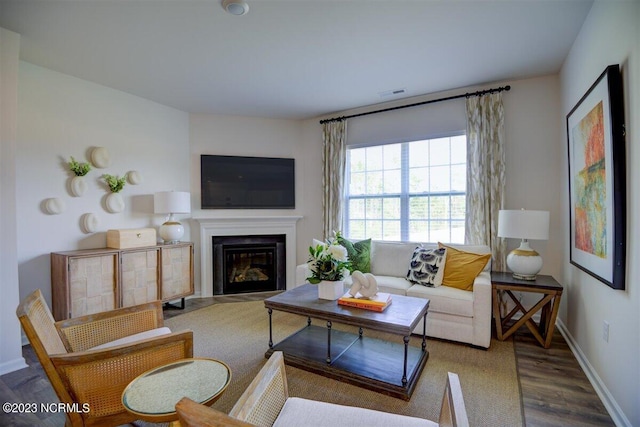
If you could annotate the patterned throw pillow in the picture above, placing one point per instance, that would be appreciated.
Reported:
(359, 254)
(427, 266)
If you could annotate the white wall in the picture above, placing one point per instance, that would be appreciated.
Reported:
(610, 35)
(249, 136)
(10, 350)
(533, 158)
(61, 116)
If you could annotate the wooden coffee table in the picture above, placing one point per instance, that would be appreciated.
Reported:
(392, 368)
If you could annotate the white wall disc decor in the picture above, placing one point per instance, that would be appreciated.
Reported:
(88, 223)
(114, 203)
(134, 177)
(78, 186)
(54, 206)
(100, 157)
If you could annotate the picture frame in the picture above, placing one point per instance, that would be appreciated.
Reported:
(597, 180)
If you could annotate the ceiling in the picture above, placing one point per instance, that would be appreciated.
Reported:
(293, 59)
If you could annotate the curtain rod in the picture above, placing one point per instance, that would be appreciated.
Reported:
(465, 95)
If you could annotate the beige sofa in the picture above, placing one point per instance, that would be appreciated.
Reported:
(454, 314)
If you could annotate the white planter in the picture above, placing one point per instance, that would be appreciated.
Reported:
(331, 290)
(78, 186)
(115, 203)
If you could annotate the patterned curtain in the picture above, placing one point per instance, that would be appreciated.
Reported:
(334, 135)
(485, 174)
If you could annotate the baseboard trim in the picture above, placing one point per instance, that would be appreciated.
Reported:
(13, 365)
(615, 412)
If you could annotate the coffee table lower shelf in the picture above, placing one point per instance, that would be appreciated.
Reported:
(359, 360)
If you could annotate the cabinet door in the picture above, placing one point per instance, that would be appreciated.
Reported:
(177, 271)
(139, 276)
(92, 284)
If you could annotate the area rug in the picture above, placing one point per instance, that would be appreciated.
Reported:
(238, 334)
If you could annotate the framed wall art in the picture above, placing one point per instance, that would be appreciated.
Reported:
(597, 188)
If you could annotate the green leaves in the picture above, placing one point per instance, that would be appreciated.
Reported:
(80, 169)
(327, 261)
(114, 182)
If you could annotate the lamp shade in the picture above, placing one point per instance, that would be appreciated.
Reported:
(523, 224)
(167, 202)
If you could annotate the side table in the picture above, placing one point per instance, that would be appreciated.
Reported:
(153, 394)
(548, 305)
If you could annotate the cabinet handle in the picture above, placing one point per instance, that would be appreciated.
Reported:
(139, 234)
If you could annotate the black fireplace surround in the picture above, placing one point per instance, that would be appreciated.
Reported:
(244, 264)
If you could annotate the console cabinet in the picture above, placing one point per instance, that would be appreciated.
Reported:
(95, 280)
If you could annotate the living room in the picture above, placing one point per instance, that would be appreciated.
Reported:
(56, 115)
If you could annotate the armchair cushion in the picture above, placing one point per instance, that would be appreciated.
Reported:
(133, 338)
(304, 412)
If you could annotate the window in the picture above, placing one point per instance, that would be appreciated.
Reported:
(407, 191)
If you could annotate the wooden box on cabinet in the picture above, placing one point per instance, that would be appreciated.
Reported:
(176, 270)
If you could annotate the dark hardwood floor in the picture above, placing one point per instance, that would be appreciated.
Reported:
(555, 390)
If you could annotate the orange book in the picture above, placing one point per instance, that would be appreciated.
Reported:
(377, 303)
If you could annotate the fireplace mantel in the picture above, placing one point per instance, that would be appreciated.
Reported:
(244, 226)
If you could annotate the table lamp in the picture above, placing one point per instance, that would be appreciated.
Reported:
(524, 262)
(171, 202)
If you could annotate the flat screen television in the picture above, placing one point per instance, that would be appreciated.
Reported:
(235, 182)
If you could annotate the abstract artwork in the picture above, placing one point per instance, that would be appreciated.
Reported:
(595, 134)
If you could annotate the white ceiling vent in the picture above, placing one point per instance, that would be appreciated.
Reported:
(394, 92)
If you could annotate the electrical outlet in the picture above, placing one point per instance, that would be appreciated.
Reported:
(605, 331)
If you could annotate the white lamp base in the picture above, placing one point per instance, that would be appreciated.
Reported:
(524, 262)
(171, 231)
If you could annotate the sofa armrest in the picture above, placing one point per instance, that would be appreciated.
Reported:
(482, 310)
(302, 272)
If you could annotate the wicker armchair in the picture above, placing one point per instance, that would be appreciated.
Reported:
(266, 403)
(94, 379)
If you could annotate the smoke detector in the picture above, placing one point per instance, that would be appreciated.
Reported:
(235, 7)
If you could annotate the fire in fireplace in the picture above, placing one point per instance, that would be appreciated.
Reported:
(248, 264)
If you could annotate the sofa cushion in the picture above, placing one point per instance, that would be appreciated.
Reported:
(359, 254)
(298, 412)
(393, 285)
(427, 266)
(445, 299)
(391, 258)
(461, 267)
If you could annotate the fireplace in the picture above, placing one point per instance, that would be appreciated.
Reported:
(247, 225)
(244, 264)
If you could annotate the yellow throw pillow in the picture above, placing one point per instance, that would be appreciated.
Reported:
(461, 268)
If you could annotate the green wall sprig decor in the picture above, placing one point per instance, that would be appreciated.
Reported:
(80, 169)
(115, 183)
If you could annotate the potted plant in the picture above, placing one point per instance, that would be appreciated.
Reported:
(116, 184)
(329, 264)
(78, 185)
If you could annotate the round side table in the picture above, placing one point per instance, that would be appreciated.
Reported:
(153, 395)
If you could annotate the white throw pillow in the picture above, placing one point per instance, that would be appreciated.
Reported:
(427, 266)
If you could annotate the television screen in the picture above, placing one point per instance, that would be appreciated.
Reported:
(234, 182)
